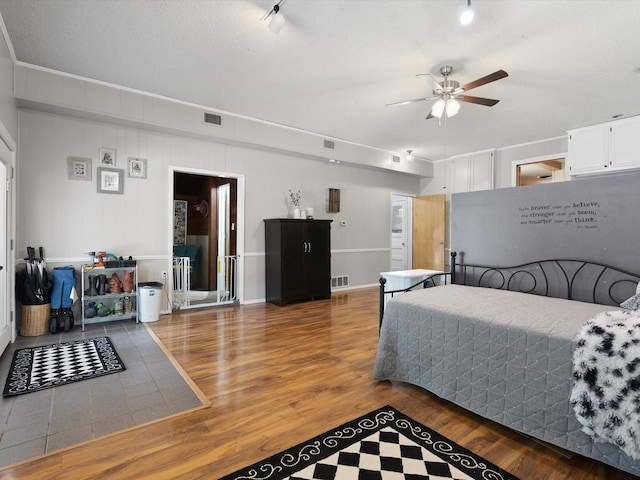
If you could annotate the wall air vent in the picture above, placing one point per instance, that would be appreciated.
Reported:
(329, 144)
(212, 118)
(341, 281)
(395, 159)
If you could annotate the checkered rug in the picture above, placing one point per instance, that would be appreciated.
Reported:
(383, 445)
(48, 366)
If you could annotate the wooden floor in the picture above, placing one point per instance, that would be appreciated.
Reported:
(276, 377)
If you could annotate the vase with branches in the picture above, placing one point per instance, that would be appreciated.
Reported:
(295, 197)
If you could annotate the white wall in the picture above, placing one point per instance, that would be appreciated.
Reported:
(504, 157)
(69, 218)
(8, 110)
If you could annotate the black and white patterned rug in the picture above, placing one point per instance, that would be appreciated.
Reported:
(382, 445)
(48, 366)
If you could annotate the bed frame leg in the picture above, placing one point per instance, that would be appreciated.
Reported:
(382, 281)
(453, 267)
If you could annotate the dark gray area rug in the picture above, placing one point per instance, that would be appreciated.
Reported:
(38, 368)
(384, 444)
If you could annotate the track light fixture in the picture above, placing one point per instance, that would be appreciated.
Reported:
(466, 14)
(277, 19)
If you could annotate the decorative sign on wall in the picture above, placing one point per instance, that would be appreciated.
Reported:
(594, 219)
(570, 214)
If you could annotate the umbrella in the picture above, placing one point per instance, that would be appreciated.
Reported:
(36, 289)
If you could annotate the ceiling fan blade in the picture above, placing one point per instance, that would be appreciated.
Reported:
(487, 102)
(430, 116)
(429, 80)
(492, 77)
(404, 102)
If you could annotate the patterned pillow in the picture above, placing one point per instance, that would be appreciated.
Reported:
(632, 303)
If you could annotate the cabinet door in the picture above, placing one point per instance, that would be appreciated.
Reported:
(625, 143)
(588, 149)
(481, 171)
(294, 282)
(319, 258)
(460, 174)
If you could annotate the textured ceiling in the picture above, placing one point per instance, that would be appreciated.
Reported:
(336, 63)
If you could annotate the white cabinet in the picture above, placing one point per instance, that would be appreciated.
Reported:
(624, 150)
(482, 171)
(606, 147)
(401, 280)
(470, 173)
(460, 174)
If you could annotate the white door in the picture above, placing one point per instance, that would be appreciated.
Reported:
(224, 195)
(5, 312)
(400, 233)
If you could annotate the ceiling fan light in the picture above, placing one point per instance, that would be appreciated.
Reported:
(453, 107)
(466, 17)
(438, 108)
(466, 14)
(276, 23)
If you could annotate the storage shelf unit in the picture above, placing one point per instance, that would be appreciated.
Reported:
(109, 300)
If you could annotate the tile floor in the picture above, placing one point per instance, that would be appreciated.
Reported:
(150, 388)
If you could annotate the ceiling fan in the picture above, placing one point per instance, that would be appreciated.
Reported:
(449, 92)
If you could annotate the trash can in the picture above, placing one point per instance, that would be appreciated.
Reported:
(150, 294)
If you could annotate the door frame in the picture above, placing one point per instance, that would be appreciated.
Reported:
(516, 163)
(239, 226)
(9, 306)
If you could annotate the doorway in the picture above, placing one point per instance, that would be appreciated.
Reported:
(418, 232)
(206, 241)
(537, 171)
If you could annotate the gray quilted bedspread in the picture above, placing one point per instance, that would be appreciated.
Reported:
(506, 356)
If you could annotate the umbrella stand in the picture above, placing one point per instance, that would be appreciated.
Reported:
(34, 292)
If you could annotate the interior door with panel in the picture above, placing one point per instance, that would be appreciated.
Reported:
(429, 232)
(400, 233)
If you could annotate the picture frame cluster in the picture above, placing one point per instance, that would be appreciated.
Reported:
(109, 179)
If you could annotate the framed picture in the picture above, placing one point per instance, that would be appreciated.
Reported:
(137, 167)
(79, 168)
(108, 157)
(110, 180)
(180, 222)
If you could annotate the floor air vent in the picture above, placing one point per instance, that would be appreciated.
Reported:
(213, 119)
(342, 281)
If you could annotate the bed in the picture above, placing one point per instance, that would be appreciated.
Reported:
(500, 341)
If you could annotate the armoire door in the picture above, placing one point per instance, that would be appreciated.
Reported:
(294, 277)
(319, 258)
